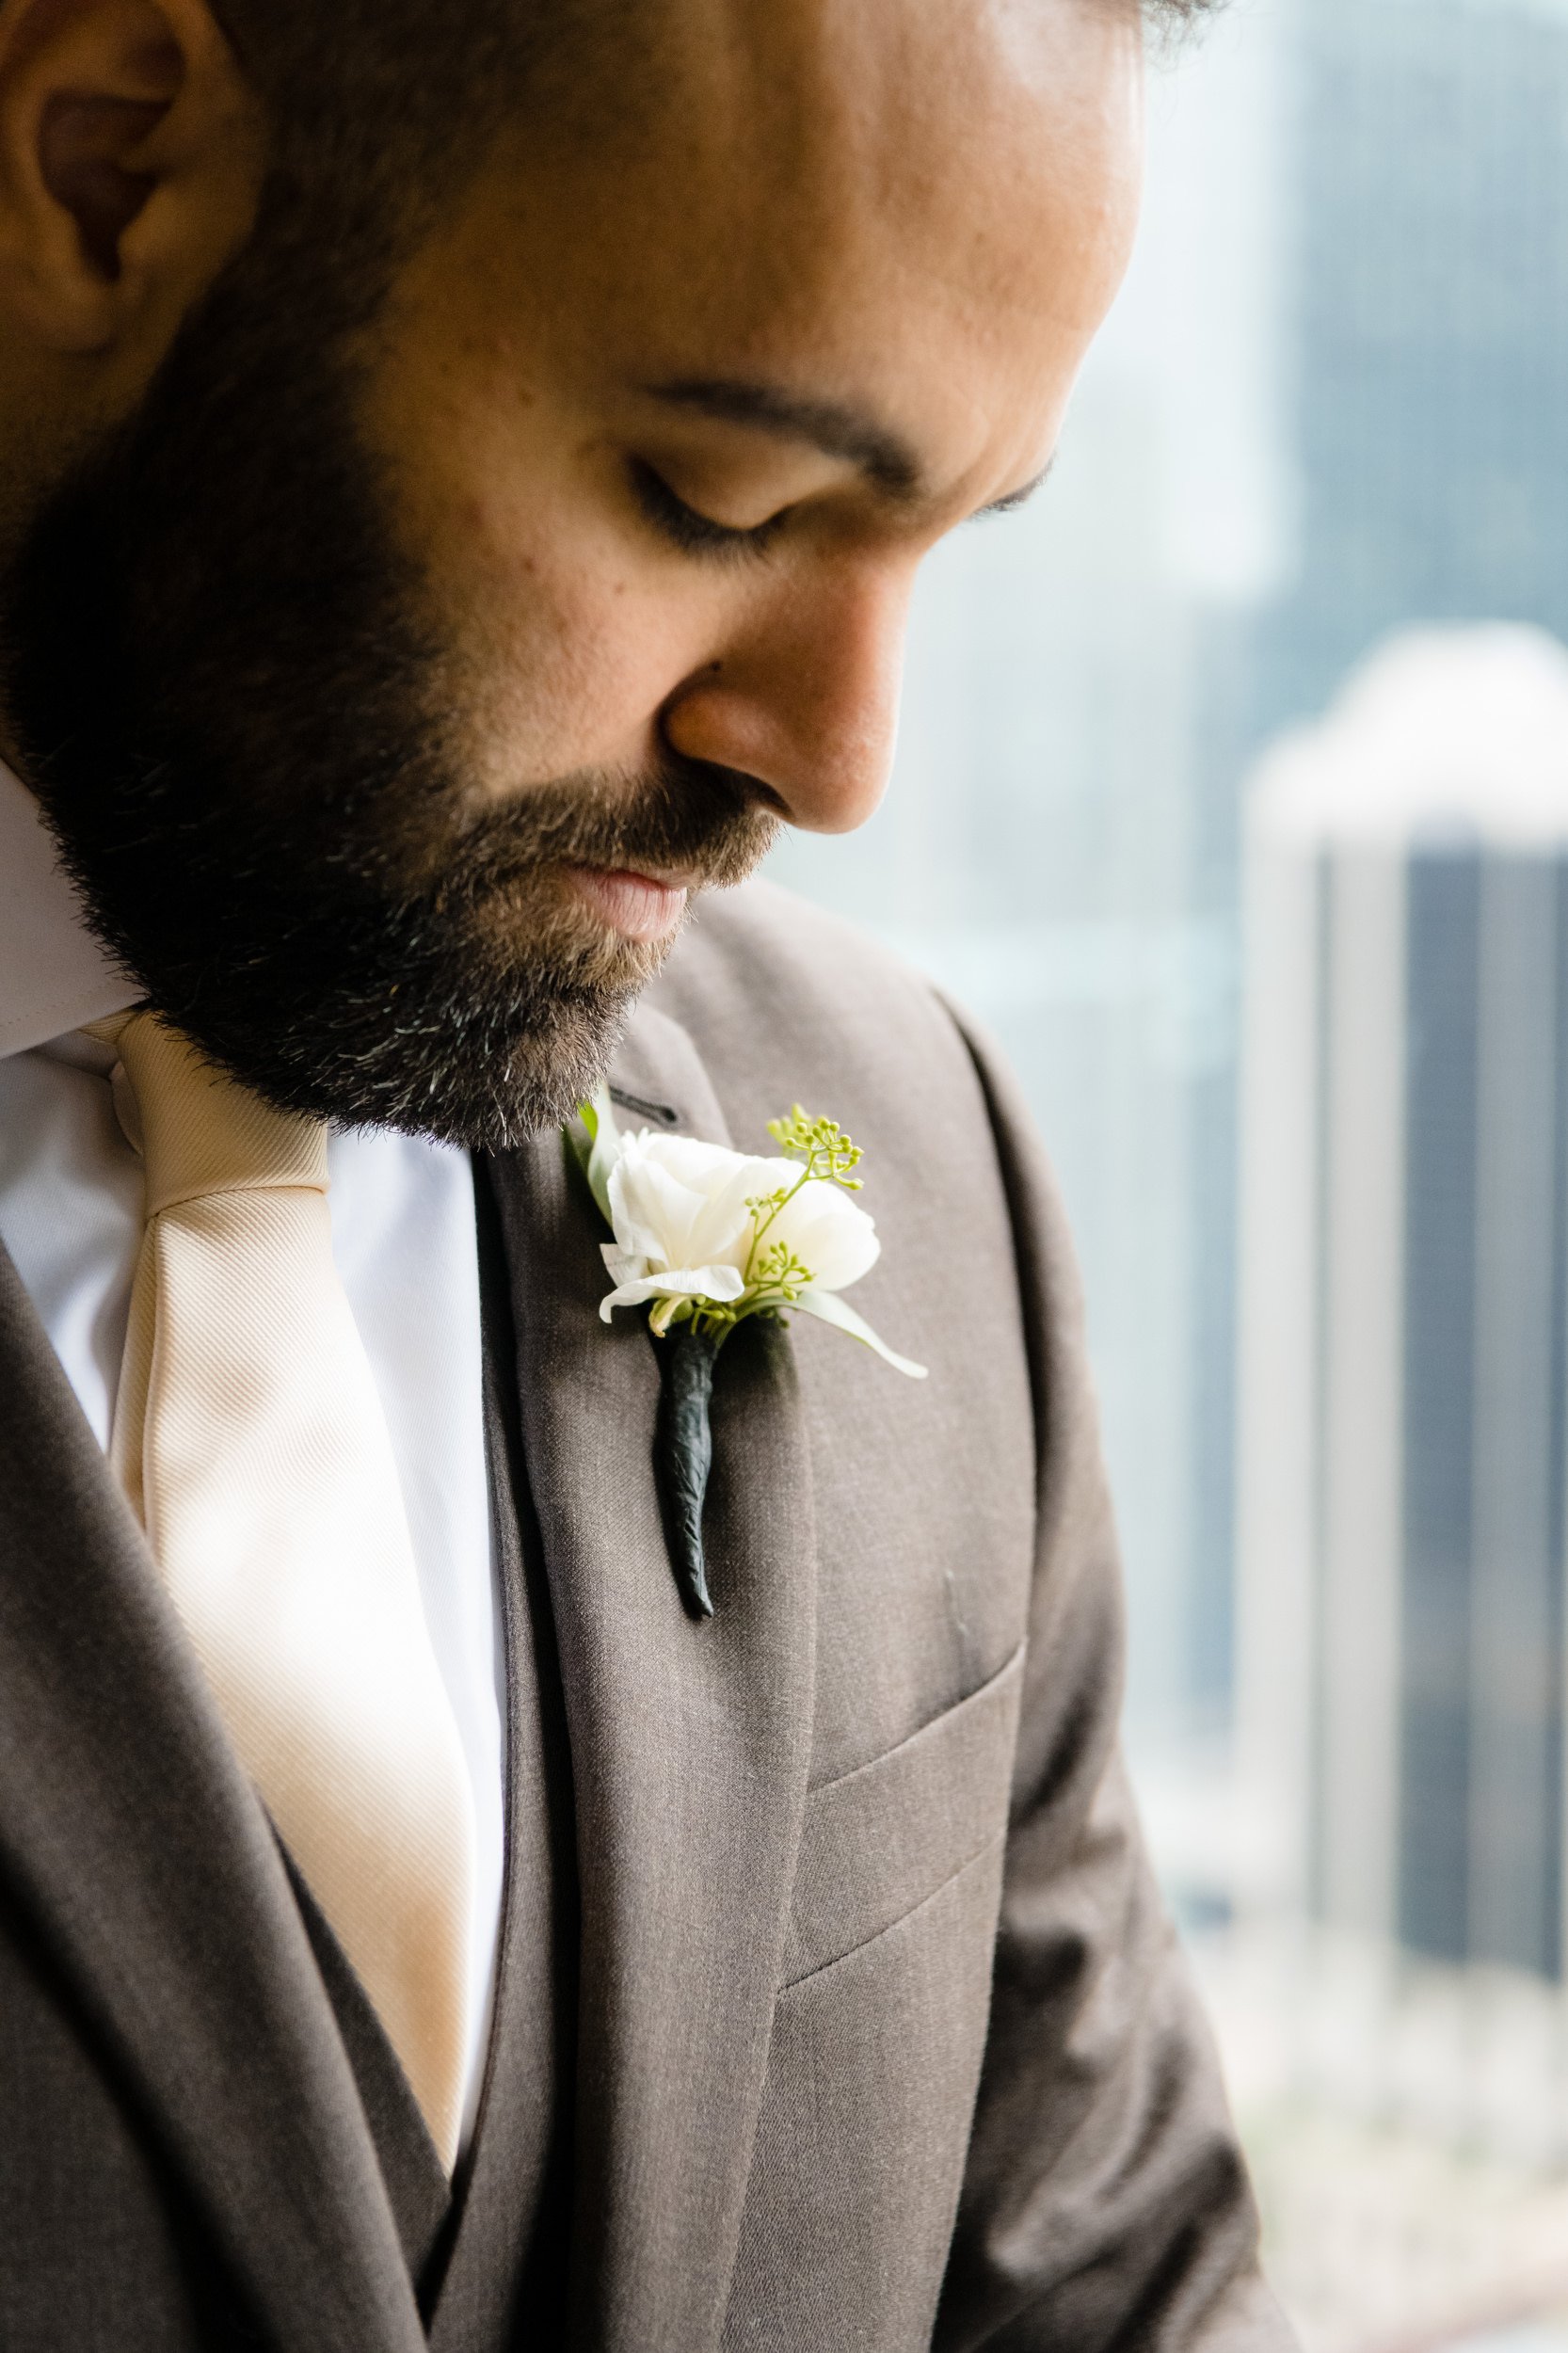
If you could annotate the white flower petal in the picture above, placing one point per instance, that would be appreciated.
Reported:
(679, 1202)
(720, 1284)
(701, 1167)
(729, 1181)
(651, 1210)
(829, 1308)
(729, 1223)
(626, 1295)
(829, 1233)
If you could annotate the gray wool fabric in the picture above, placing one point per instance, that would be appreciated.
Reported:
(836, 2011)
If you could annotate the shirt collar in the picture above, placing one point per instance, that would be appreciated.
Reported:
(54, 974)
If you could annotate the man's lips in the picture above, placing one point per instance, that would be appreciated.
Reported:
(640, 906)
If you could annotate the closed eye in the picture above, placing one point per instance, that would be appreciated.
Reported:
(685, 527)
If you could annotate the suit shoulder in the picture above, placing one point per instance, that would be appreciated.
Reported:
(763, 957)
(786, 1004)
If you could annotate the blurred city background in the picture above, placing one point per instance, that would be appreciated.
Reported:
(1233, 794)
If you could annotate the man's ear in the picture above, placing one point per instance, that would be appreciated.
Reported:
(131, 155)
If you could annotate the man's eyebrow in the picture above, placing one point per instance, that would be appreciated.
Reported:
(829, 425)
(1016, 499)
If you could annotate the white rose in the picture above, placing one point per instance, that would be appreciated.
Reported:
(680, 1223)
(683, 1229)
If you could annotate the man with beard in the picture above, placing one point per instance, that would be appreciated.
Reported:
(461, 475)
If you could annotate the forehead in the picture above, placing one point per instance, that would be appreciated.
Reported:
(858, 197)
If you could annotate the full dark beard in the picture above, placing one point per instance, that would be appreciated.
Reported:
(230, 711)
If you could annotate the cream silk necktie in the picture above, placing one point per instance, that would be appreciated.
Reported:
(250, 1439)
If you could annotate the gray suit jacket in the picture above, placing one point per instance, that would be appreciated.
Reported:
(839, 2013)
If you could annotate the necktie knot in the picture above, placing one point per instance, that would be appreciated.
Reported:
(201, 1133)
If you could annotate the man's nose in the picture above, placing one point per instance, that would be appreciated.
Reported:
(805, 699)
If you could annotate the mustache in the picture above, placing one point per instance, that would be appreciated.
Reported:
(686, 816)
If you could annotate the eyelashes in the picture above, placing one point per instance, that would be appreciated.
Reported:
(692, 533)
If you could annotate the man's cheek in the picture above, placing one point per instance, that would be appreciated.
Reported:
(571, 671)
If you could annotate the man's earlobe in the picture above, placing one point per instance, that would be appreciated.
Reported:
(130, 155)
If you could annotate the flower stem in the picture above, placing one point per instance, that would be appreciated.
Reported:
(777, 1212)
(683, 1446)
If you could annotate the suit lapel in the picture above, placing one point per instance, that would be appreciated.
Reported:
(509, 2249)
(129, 1830)
(690, 1744)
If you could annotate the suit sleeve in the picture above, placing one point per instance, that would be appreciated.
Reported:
(1105, 2207)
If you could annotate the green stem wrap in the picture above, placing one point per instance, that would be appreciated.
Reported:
(683, 1456)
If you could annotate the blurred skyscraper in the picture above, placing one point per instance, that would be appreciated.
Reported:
(1426, 402)
(1427, 394)
(1405, 1286)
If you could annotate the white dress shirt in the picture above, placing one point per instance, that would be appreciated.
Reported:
(405, 1248)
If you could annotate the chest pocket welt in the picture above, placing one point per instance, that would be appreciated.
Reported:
(882, 1839)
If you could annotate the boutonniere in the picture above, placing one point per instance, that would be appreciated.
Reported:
(704, 1237)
